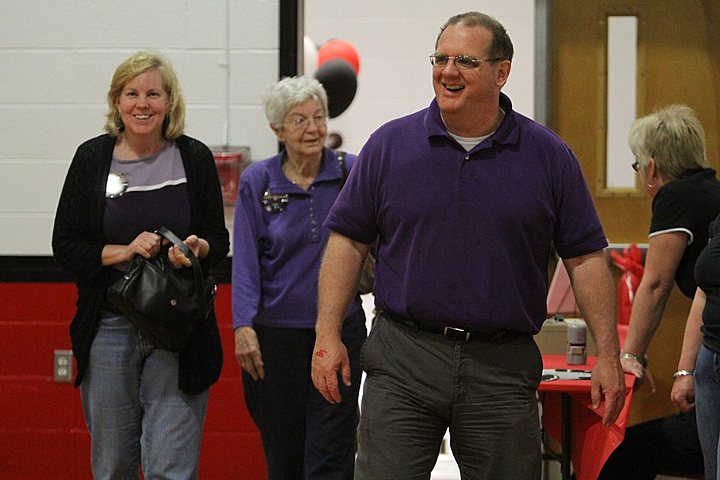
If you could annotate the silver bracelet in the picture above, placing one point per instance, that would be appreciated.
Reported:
(682, 373)
(631, 356)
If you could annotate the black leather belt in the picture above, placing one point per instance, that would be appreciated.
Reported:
(453, 333)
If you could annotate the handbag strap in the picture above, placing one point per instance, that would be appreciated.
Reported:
(340, 154)
(195, 264)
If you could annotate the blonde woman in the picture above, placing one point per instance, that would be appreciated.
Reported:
(144, 406)
(669, 147)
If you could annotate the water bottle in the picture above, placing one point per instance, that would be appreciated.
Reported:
(576, 343)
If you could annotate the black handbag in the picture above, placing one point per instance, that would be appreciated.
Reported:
(162, 302)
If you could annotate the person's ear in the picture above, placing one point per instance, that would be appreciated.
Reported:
(503, 72)
(651, 170)
(279, 133)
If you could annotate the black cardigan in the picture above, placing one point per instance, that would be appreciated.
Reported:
(78, 241)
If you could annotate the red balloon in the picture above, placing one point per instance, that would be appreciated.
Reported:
(337, 48)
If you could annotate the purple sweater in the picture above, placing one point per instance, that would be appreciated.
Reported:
(277, 254)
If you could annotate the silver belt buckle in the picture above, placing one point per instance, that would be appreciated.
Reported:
(460, 330)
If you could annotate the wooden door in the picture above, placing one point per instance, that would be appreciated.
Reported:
(678, 62)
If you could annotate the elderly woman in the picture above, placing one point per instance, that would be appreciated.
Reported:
(144, 406)
(669, 147)
(279, 240)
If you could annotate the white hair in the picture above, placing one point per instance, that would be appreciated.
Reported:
(289, 92)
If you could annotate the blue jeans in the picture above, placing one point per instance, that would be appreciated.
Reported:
(304, 436)
(419, 384)
(134, 410)
(707, 406)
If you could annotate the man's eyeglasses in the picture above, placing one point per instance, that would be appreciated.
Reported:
(462, 62)
(302, 123)
(636, 166)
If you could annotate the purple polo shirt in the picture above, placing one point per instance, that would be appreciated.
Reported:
(277, 254)
(464, 238)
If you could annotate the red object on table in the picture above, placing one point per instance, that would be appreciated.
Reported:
(230, 164)
(591, 442)
(631, 263)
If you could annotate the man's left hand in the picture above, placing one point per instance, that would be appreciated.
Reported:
(608, 384)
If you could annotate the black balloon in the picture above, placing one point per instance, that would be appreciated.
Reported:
(340, 82)
(334, 140)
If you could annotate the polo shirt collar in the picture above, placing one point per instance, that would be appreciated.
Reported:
(701, 172)
(507, 133)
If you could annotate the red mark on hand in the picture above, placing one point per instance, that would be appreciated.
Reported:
(320, 353)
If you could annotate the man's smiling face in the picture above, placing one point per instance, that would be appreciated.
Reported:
(461, 91)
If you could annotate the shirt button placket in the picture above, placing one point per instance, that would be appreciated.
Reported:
(313, 222)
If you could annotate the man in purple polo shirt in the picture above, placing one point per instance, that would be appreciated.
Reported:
(466, 200)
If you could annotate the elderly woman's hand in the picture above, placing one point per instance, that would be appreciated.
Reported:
(633, 366)
(247, 352)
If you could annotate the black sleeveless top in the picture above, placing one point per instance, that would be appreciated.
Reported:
(707, 275)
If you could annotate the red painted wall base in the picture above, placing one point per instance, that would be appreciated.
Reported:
(42, 430)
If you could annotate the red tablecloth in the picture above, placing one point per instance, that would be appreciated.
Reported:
(592, 443)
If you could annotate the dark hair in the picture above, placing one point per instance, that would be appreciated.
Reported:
(501, 46)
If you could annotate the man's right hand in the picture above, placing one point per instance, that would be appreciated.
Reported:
(329, 357)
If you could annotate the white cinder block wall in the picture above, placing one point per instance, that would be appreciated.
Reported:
(394, 39)
(56, 62)
(57, 59)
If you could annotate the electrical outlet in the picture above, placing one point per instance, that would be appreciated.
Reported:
(63, 366)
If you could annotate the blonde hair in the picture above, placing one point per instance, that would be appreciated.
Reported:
(141, 62)
(673, 137)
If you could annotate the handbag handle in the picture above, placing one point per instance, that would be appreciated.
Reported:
(195, 264)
